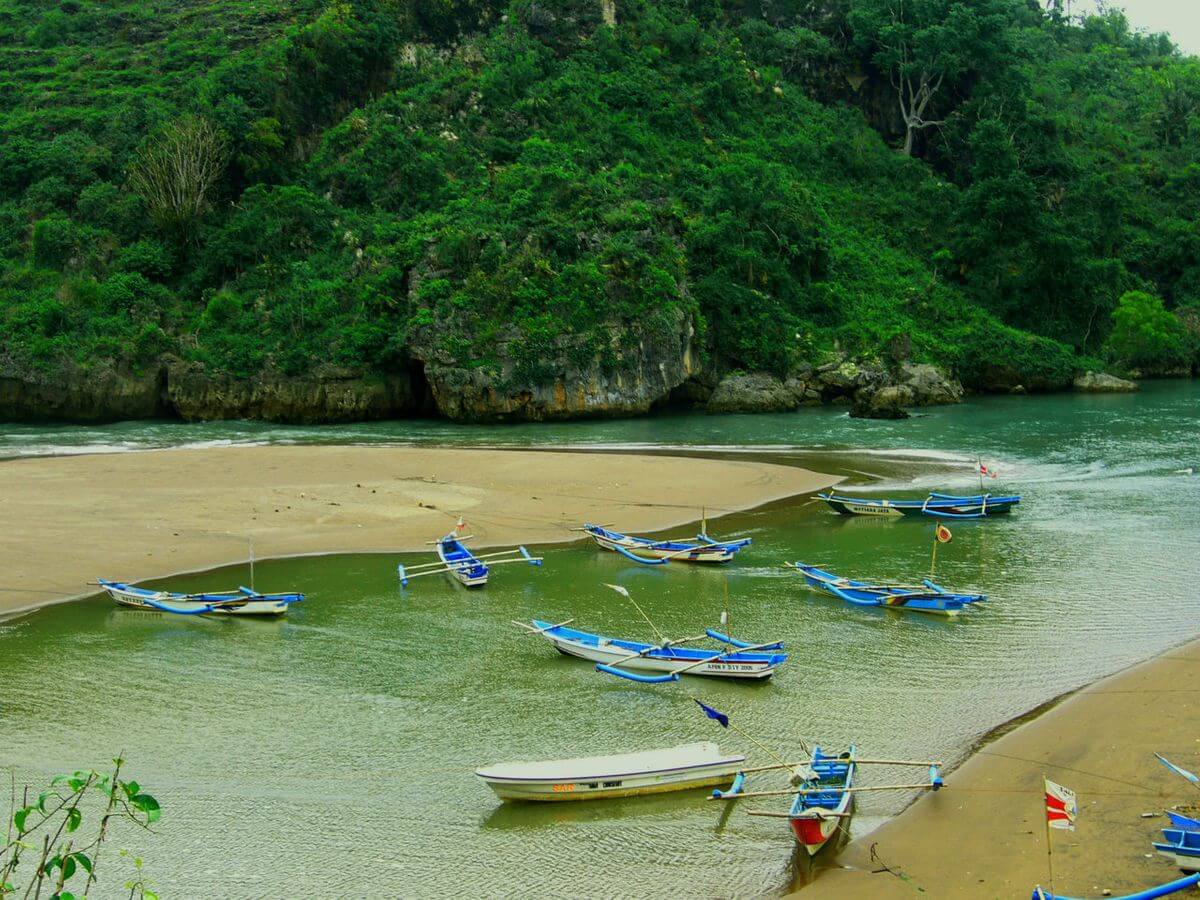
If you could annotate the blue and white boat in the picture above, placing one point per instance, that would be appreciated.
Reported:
(942, 506)
(627, 659)
(648, 551)
(242, 602)
(1182, 846)
(455, 558)
(927, 598)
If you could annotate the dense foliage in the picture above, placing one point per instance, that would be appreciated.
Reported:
(280, 186)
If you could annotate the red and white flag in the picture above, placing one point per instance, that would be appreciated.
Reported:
(1061, 807)
(984, 470)
(460, 525)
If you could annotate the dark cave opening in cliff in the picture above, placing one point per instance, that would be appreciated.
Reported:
(423, 404)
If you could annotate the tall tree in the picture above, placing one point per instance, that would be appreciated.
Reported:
(927, 48)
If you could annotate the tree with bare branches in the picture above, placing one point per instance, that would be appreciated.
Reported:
(177, 171)
(926, 46)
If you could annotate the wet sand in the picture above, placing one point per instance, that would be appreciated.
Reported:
(141, 515)
(984, 835)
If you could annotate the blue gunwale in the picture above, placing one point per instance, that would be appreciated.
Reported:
(456, 555)
(220, 597)
(975, 506)
(834, 771)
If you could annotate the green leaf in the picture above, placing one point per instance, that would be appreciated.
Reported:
(74, 817)
(149, 895)
(68, 867)
(84, 860)
(20, 817)
(148, 805)
(131, 788)
(43, 797)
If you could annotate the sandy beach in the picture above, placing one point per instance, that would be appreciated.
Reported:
(134, 516)
(984, 835)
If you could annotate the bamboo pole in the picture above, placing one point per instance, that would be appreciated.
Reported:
(788, 815)
(529, 629)
(805, 791)
(881, 762)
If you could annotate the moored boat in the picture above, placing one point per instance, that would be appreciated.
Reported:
(823, 791)
(927, 597)
(823, 804)
(617, 775)
(242, 602)
(943, 506)
(745, 661)
(1162, 890)
(467, 568)
(651, 552)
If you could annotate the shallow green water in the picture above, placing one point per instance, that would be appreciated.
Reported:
(331, 754)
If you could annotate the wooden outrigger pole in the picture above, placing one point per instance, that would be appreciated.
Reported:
(469, 569)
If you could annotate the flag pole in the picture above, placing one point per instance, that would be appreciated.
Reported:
(933, 557)
(979, 472)
(1049, 846)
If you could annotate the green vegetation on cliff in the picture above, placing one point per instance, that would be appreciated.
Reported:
(516, 189)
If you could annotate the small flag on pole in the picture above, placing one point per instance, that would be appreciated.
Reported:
(460, 525)
(1178, 771)
(616, 587)
(1061, 807)
(984, 470)
(713, 714)
(942, 533)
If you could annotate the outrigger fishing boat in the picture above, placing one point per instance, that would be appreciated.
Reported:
(928, 597)
(469, 569)
(650, 552)
(943, 506)
(626, 659)
(1162, 890)
(618, 775)
(823, 791)
(242, 602)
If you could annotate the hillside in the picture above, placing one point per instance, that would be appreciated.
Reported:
(490, 209)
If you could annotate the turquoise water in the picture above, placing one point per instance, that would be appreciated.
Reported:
(332, 753)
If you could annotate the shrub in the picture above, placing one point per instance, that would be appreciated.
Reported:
(1145, 335)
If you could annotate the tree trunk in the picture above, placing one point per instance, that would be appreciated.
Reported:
(909, 135)
(608, 12)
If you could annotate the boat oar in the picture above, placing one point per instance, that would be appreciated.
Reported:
(529, 629)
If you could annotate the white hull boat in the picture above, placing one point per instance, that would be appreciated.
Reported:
(619, 775)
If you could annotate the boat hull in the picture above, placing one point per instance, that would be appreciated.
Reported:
(929, 599)
(461, 563)
(978, 507)
(750, 666)
(155, 600)
(705, 551)
(815, 818)
(619, 775)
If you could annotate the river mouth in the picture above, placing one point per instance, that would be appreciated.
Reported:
(284, 750)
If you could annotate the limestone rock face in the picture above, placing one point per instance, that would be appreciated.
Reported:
(633, 373)
(755, 392)
(929, 385)
(100, 395)
(325, 396)
(1103, 383)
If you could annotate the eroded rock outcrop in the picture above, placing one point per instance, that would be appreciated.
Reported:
(753, 392)
(1103, 383)
(97, 395)
(634, 372)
